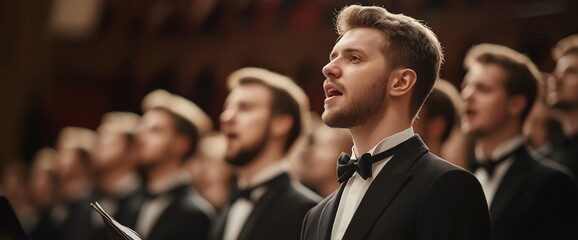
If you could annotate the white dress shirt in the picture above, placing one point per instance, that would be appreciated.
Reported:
(356, 187)
(242, 208)
(490, 184)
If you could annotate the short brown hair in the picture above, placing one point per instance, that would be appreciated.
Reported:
(185, 128)
(522, 76)
(411, 43)
(443, 101)
(288, 98)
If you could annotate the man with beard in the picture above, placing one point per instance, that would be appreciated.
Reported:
(262, 118)
(167, 136)
(562, 95)
(379, 74)
(528, 199)
(118, 187)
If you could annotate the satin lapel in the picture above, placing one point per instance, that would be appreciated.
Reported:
(328, 213)
(511, 186)
(264, 204)
(218, 231)
(385, 188)
(173, 210)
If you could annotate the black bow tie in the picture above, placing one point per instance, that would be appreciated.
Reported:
(245, 193)
(490, 165)
(241, 193)
(363, 165)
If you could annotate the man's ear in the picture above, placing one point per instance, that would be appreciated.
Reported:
(516, 105)
(402, 82)
(281, 125)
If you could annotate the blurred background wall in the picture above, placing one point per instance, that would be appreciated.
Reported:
(67, 62)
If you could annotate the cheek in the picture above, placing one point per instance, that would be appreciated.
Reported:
(494, 110)
(112, 148)
(154, 146)
(116, 148)
(253, 129)
(157, 142)
(65, 164)
(571, 87)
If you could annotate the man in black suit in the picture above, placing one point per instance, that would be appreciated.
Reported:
(167, 135)
(262, 118)
(562, 96)
(381, 70)
(528, 199)
(118, 187)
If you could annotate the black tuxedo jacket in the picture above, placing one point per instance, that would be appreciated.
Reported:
(278, 214)
(10, 227)
(416, 195)
(78, 222)
(565, 151)
(128, 209)
(535, 200)
(129, 206)
(182, 219)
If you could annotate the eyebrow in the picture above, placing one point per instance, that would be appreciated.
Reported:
(334, 54)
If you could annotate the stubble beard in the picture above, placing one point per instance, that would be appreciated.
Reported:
(360, 110)
(248, 154)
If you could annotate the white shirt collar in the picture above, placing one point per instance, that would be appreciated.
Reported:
(169, 182)
(504, 148)
(267, 173)
(388, 142)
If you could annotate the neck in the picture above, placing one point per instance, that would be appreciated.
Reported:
(157, 173)
(366, 136)
(270, 154)
(489, 142)
(569, 122)
(76, 189)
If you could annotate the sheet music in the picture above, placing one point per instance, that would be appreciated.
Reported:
(115, 228)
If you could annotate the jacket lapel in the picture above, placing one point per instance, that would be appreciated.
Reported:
(173, 210)
(385, 188)
(328, 214)
(274, 190)
(511, 186)
(218, 230)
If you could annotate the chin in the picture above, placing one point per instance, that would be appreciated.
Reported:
(330, 118)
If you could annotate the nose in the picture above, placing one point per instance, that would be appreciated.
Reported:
(467, 93)
(226, 117)
(331, 70)
(551, 82)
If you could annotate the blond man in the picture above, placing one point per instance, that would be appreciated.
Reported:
(380, 71)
